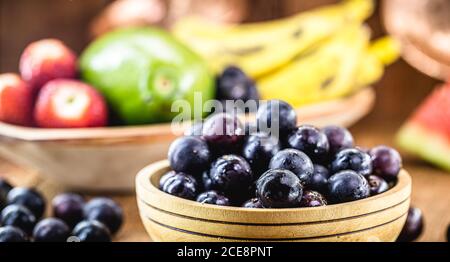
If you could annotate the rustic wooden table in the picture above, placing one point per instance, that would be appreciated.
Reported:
(430, 188)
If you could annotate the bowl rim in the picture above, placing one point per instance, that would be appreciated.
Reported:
(146, 190)
(364, 98)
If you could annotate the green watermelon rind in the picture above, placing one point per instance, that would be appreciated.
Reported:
(432, 146)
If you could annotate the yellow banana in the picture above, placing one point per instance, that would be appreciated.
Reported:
(327, 72)
(382, 52)
(262, 47)
(369, 69)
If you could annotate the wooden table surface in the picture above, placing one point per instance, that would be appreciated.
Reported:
(430, 188)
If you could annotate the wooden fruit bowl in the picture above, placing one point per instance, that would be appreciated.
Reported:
(107, 159)
(169, 218)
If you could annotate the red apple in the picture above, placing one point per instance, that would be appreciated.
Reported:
(65, 103)
(16, 100)
(46, 60)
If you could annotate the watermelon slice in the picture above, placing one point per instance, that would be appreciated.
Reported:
(427, 132)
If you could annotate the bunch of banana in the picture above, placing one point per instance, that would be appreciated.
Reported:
(312, 56)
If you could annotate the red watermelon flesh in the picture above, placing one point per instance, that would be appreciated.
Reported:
(427, 132)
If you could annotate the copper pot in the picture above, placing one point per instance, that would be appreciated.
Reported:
(423, 28)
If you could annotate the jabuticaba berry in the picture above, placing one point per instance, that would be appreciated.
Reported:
(10, 234)
(106, 211)
(338, 138)
(69, 208)
(311, 141)
(386, 162)
(214, 198)
(231, 174)
(252, 203)
(18, 216)
(258, 149)
(279, 188)
(181, 185)
(413, 226)
(352, 159)
(377, 185)
(189, 155)
(91, 231)
(224, 133)
(347, 186)
(29, 198)
(5, 187)
(319, 180)
(276, 114)
(313, 199)
(295, 161)
(51, 230)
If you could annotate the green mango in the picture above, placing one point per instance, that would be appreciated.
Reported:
(142, 71)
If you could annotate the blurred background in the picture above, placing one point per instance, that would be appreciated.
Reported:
(76, 22)
(401, 89)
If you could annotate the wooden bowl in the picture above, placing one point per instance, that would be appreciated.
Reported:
(107, 159)
(169, 218)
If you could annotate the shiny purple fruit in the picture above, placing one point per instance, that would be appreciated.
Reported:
(352, 159)
(347, 186)
(279, 188)
(189, 155)
(377, 185)
(413, 226)
(276, 115)
(258, 149)
(214, 198)
(294, 161)
(69, 208)
(311, 141)
(224, 133)
(313, 199)
(386, 162)
(181, 185)
(231, 174)
(104, 210)
(338, 138)
(319, 180)
(252, 203)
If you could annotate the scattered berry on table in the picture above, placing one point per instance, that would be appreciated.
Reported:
(10, 234)
(91, 231)
(18, 216)
(106, 211)
(69, 208)
(29, 198)
(51, 230)
(413, 227)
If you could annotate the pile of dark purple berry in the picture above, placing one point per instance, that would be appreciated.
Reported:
(74, 220)
(220, 161)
